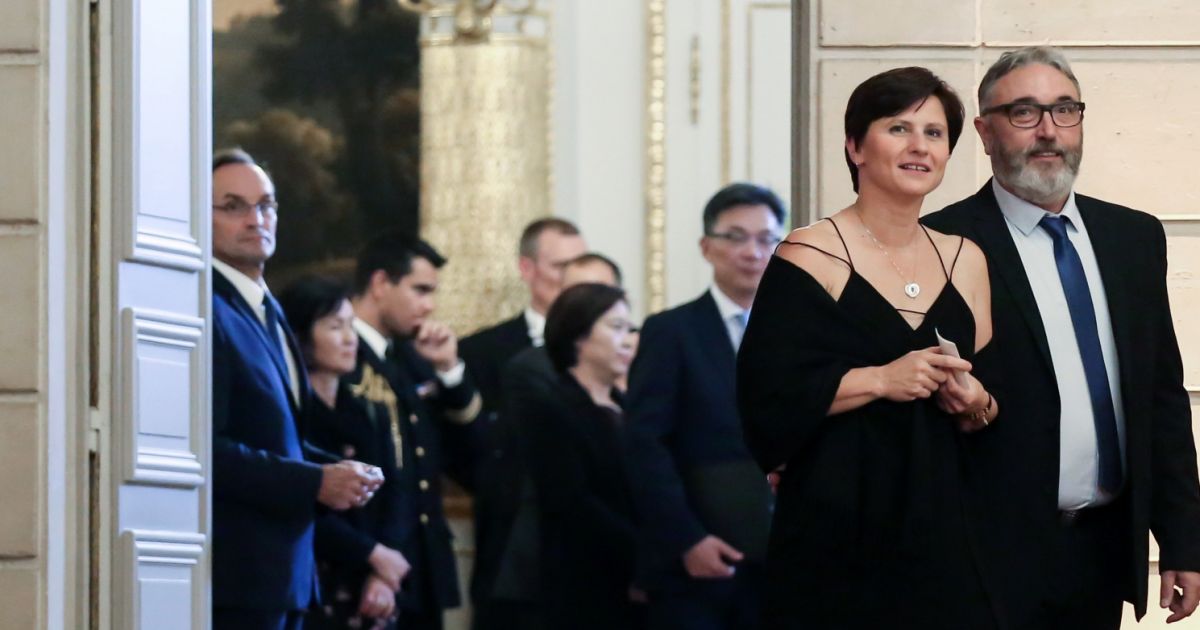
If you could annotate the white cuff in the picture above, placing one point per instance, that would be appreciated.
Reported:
(454, 376)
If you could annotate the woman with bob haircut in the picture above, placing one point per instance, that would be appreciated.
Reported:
(358, 564)
(843, 388)
(574, 434)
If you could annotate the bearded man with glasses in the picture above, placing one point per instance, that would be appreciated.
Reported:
(1094, 447)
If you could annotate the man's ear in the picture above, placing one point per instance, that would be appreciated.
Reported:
(705, 246)
(985, 134)
(526, 266)
(379, 281)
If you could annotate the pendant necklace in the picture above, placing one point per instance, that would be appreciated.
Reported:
(911, 288)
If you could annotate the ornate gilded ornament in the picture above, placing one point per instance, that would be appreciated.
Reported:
(485, 157)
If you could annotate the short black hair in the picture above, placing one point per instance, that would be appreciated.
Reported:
(740, 194)
(571, 318)
(392, 252)
(308, 299)
(891, 92)
(597, 257)
(527, 248)
(233, 155)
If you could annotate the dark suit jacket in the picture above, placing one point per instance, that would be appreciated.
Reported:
(264, 493)
(486, 352)
(683, 422)
(588, 541)
(497, 475)
(1013, 465)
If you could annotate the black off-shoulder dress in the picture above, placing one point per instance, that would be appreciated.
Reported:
(869, 529)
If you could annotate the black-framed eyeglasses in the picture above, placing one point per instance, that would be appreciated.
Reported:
(765, 240)
(1029, 115)
(240, 207)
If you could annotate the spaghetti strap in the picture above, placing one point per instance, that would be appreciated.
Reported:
(831, 255)
(954, 264)
(849, 261)
(938, 252)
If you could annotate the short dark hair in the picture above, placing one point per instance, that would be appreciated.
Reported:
(597, 257)
(529, 236)
(571, 318)
(740, 194)
(889, 93)
(392, 252)
(232, 155)
(308, 299)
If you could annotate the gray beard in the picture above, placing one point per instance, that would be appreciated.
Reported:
(1033, 184)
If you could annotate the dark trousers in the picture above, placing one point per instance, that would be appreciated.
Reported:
(507, 615)
(242, 619)
(713, 604)
(428, 619)
(1084, 585)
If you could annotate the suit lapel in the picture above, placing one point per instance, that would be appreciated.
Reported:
(223, 286)
(1005, 263)
(713, 336)
(1110, 247)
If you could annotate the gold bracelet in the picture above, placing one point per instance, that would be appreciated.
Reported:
(982, 414)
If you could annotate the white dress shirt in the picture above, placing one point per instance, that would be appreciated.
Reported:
(378, 344)
(535, 324)
(732, 315)
(1079, 456)
(255, 294)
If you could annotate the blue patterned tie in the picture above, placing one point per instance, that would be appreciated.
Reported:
(271, 323)
(740, 320)
(1083, 319)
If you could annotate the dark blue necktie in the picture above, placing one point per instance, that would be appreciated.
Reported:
(271, 311)
(1083, 319)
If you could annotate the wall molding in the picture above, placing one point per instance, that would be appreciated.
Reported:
(656, 151)
(144, 463)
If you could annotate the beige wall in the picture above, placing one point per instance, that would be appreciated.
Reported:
(1136, 62)
(34, 197)
(21, 384)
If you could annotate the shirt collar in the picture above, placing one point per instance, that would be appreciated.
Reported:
(535, 324)
(376, 341)
(1026, 216)
(252, 291)
(725, 304)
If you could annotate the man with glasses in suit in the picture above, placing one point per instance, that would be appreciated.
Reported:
(703, 502)
(265, 492)
(1093, 448)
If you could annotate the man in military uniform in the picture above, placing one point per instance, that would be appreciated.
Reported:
(401, 348)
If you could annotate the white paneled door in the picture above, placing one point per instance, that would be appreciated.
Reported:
(153, 108)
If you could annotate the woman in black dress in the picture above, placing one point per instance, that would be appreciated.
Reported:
(843, 389)
(574, 440)
(357, 562)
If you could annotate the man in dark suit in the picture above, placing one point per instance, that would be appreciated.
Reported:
(404, 353)
(545, 247)
(264, 492)
(1093, 447)
(703, 504)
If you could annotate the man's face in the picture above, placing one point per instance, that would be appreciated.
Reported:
(593, 271)
(243, 227)
(738, 267)
(405, 305)
(1038, 164)
(544, 272)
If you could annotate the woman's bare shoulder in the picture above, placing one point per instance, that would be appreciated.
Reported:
(818, 250)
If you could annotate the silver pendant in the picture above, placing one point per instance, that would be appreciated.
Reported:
(912, 290)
